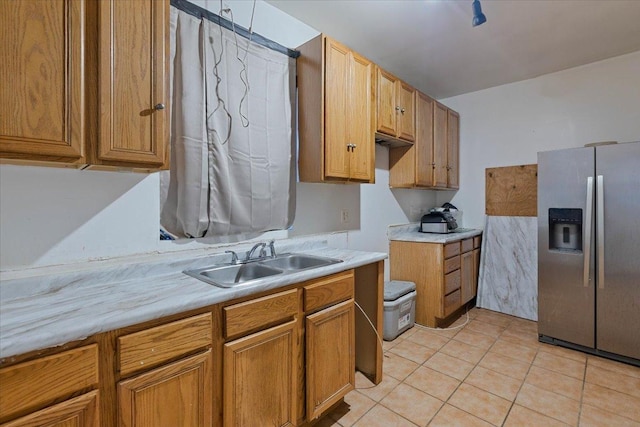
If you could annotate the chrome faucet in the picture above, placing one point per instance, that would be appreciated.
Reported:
(263, 252)
(272, 248)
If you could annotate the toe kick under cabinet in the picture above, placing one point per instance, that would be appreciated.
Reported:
(445, 274)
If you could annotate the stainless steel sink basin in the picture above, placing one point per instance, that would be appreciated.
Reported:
(298, 262)
(230, 275)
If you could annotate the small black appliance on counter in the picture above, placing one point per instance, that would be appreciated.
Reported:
(438, 222)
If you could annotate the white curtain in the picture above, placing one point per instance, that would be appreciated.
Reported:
(232, 140)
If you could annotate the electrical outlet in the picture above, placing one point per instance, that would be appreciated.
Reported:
(344, 216)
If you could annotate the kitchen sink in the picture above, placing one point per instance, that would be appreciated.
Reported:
(231, 275)
(245, 273)
(298, 262)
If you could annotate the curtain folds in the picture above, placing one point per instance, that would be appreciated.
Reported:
(232, 140)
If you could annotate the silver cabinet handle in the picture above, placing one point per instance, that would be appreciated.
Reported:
(588, 225)
(397, 108)
(600, 237)
(353, 147)
(402, 111)
(158, 107)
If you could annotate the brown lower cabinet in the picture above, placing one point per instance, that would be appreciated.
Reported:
(446, 275)
(260, 378)
(178, 394)
(280, 358)
(330, 362)
(330, 340)
(81, 411)
(42, 391)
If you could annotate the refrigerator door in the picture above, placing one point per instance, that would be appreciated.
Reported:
(618, 247)
(566, 297)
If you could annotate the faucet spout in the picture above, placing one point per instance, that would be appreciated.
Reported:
(254, 248)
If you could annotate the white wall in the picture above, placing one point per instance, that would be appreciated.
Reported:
(509, 124)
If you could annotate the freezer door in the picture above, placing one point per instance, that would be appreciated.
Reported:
(566, 297)
(618, 247)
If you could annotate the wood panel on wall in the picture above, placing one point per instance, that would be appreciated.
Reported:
(512, 191)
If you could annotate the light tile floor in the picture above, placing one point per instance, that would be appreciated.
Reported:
(491, 372)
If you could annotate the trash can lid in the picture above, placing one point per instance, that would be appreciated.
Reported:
(394, 289)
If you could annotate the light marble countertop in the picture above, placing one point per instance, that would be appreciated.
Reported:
(410, 233)
(39, 312)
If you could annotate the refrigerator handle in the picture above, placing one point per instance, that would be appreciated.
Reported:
(588, 226)
(600, 228)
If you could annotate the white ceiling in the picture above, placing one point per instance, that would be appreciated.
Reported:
(432, 45)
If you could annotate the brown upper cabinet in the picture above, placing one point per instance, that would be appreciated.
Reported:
(413, 165)
(432, 162)
(133, 53)
(85, 82)
(42, 95)
(453, 149)
(440, 145)
(335, 108)
(396, 108)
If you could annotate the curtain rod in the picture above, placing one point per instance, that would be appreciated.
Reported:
(199, 12)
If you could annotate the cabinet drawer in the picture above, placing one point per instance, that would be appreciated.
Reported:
(451, 282)
(451, 249)
(451, 264)
(155, 346)
(467, 245)
(477, 241)
(260, 312)
(34, 384)
(328, 290)
(451, 302)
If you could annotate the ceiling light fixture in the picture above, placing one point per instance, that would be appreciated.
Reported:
(478, 16)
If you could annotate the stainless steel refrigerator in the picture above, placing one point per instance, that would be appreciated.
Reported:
(589, 249)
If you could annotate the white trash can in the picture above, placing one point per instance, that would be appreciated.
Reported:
(399, 308)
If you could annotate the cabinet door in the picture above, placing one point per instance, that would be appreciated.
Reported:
(406, 123)
(387, 108)
(330, 357)
(41, 89)
(81, 411)
(467, 275)
(453, 149)
(133, 54)
(424, 163)
(337, 103)
(178, 394)
(260, 385)
(440, 145)
(476, 270)
(359, 113)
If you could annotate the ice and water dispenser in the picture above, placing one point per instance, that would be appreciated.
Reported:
(565, 229)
